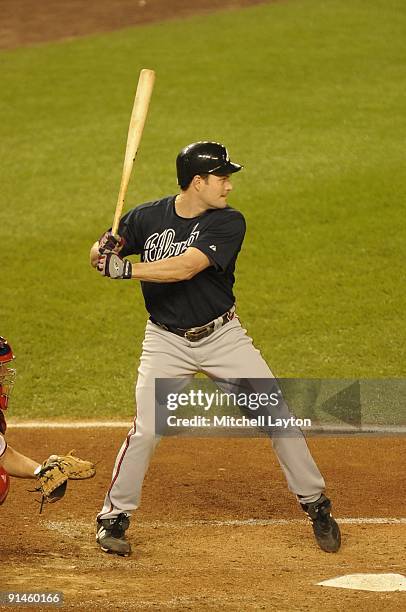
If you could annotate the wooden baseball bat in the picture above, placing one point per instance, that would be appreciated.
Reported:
(138, 116)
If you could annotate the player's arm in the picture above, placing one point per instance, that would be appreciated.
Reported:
(172, 270)
(18, 465)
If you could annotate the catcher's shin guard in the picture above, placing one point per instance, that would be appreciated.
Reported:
(111, 535)
(325, 528)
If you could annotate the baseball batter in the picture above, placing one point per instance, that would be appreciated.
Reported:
(188, 246)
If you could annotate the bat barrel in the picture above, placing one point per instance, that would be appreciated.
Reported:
(137, 121)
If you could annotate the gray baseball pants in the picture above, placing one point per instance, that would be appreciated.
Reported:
(228, 353)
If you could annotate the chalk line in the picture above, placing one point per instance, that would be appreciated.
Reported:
(184, 524)
(110, 424)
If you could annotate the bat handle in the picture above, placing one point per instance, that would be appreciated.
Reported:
(114, 229)
(120, 204)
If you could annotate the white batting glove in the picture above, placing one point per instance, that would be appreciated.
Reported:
(113, 266)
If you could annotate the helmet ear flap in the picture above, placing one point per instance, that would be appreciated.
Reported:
(187, 164)
(4, 484)
(183, 170)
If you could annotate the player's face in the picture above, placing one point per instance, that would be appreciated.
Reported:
(214, 190)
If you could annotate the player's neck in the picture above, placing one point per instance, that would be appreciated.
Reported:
(187, 205)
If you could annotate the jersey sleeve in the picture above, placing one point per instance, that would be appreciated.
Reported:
(129, 229)
(222, 240)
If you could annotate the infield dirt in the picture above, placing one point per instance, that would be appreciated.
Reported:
(193, 545)
(25, 22)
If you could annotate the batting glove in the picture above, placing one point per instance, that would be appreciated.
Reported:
(108, 243)
(113, 266)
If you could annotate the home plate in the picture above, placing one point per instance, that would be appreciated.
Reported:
(368, 582)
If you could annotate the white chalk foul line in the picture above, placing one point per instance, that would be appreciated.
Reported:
(372, 521)
(325, 429)
(265, 522)
(70, 527)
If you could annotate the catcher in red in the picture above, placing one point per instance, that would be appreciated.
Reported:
(53, 474)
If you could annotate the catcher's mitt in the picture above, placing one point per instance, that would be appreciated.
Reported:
(54, 473)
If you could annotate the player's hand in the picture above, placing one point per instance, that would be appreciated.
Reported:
(113, 266)
(108, 243)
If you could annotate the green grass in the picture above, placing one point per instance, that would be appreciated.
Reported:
(308, 95)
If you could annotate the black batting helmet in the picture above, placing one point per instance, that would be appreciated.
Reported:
(203, 158)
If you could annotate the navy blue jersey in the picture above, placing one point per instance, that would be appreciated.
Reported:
(155, 231)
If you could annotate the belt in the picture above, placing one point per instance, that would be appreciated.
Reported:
(193, 334)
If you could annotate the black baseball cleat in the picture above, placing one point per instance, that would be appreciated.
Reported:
(326, 530)
(111, 535)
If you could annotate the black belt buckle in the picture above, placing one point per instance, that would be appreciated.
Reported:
(195, 333)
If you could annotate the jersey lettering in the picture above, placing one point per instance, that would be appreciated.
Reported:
(162, 245)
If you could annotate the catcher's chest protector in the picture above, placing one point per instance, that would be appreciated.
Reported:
(4, 484)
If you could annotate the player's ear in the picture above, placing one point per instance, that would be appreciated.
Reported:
(199, 180)
(196, 182)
